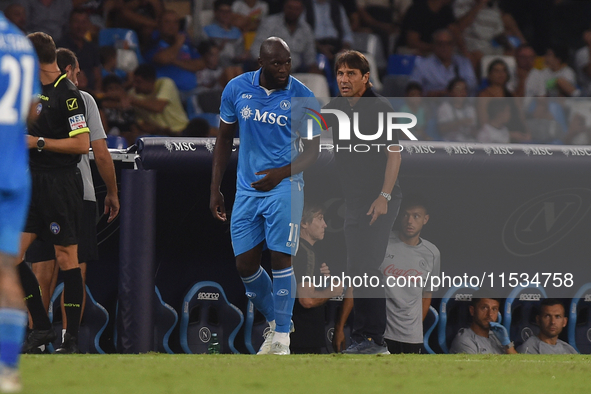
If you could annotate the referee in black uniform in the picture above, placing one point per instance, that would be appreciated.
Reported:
(56, 141)
(369, 180)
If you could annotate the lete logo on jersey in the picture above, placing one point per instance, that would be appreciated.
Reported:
(77, 122)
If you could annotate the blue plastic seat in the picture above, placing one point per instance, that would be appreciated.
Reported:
(207, 310)
(255, 326)
(579, 320)
(401, 64)
(454, 313)
(116, 142)
(429, 324)
(165, 320)
(521, 308)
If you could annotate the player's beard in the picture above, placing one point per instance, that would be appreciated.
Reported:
(271, 78)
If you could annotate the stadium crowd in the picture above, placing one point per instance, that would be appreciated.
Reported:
(158, 67)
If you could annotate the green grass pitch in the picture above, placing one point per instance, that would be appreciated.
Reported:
(433, 374)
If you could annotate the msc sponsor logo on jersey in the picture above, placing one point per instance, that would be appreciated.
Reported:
(530, 297)
(265, 117)
(208, 296)
(72, 104)
(77, 122)
(463, 297)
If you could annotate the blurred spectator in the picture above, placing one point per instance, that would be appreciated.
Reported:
(583, 64)
(498, 78)
(108, 57)
(436, 71)
(47, 16)
(495, 129)
(139, 15)
(213, 77)
(294, 31)
(525, 58)
(248, 15)
(457, 116)
(331, 27)
(420, 23)
(413, 104)
(382, 17)
(199, 127)
(117, 110)
(556, 80)
(87, 52)
(534, 18)
(227, 37)
(489, 29)
(96, 10)
(579, 133)
(17, 14)
(156, 102)
(174, 56)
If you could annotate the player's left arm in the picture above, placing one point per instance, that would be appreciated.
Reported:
(275, 175)
(380, 205)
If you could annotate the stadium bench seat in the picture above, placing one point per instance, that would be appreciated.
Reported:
(454, 313)
(579, 320)
(429, 324)
(207, 310)
(401, 64)
(116, 142)
(521, 308)
(255, 326)
(165, 320)
(94, 322)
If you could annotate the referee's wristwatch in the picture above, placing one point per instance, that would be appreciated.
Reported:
(387, 196)
(40, 144)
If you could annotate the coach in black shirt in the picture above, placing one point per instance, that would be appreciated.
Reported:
(368, 171)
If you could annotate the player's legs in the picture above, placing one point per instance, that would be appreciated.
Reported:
(43, 271)
(65, 320)
(13, 316)
(67, 259)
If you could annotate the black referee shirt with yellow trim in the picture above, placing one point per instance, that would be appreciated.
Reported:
(62, 114)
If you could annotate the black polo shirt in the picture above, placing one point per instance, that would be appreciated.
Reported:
(62, 114)
(361, 173)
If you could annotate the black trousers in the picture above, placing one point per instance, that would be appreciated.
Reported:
(366, 249)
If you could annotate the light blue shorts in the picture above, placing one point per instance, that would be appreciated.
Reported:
(14, 205)
(274, 219)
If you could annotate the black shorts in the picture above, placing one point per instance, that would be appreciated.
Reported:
(87, 246)
(56, 206)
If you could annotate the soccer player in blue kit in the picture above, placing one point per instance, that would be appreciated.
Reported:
(19, 87)
(269, 188)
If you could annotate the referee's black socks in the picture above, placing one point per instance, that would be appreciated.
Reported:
(33, 297)
(73, 295)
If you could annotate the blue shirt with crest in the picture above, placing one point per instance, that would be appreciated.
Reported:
(271, 124)
(19, 86)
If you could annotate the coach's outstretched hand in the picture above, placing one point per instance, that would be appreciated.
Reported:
(271, 178)
(500, 332)
(216, 205)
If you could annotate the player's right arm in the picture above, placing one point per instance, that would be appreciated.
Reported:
(338, 340)
(221, 156)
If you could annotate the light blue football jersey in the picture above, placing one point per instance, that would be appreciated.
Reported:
(19, 85)
(270, 128)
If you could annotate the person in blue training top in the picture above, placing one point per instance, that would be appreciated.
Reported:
(269, 187)
(19, 88)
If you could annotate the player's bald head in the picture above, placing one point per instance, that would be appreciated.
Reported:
(273, 46)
